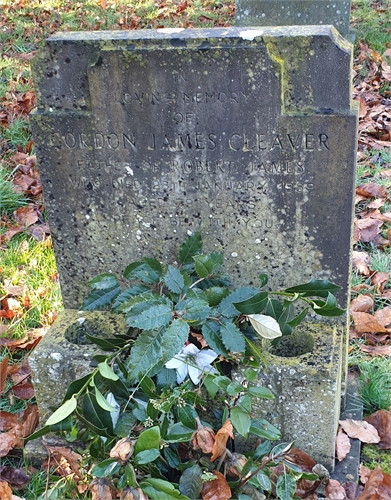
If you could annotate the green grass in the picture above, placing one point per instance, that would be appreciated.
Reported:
(372, 23)
(31, 264)
(10, 199)
(375, 385)
(371, 457)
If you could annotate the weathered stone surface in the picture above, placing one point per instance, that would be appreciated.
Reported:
(294, 12)
(57, 362)
(307, 390)
(247, 135)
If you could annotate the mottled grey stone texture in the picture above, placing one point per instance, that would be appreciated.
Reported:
(247, 135)
(294, 12)
(307, 390)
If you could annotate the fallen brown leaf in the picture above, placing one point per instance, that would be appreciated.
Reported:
(368, 228)
(23, 391)
(3, 373)
(218, 489)
(16, 478)
(378, 486)
(364, 473)
(26, 216)
(221, 439)
(361, 430)
(360, 263)
(366, 323)
(372, 190)
(7, 442)
(334, 490)
(379, 280)
(383, 316)
(5, 491)
(102, 489)
(379, 350)
(381, 421)
(362, 303)
(342, 445)
(7, 420)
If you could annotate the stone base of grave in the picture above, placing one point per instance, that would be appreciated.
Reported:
(307, 390)
(348, 468)
(64, 355)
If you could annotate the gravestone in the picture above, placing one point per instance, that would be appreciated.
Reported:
(247, 135)
(294, 12)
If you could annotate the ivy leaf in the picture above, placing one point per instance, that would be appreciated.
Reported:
(100, 298)
(286, 487)
(190, 482)
(152, 318)
(318, 288)
(174, 337)
(174, 280)
(227, 307)
(232, 337)
(265, 326)
(254, 304)
(191, 246)
(241, 420)
(145, 353)
(63, 412)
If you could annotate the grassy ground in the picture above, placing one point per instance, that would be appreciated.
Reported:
(29, 289)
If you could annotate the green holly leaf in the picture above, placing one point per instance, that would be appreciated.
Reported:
(253, 305)
(317, 288)
(153, 318)
(232, 337)
(191, 247)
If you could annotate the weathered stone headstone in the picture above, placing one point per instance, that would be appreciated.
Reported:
(247, 135)
(294, 12)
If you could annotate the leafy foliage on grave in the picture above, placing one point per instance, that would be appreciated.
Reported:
(158, 415)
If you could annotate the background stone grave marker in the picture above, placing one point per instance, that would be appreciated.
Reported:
(247, 135)
(294, 12)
